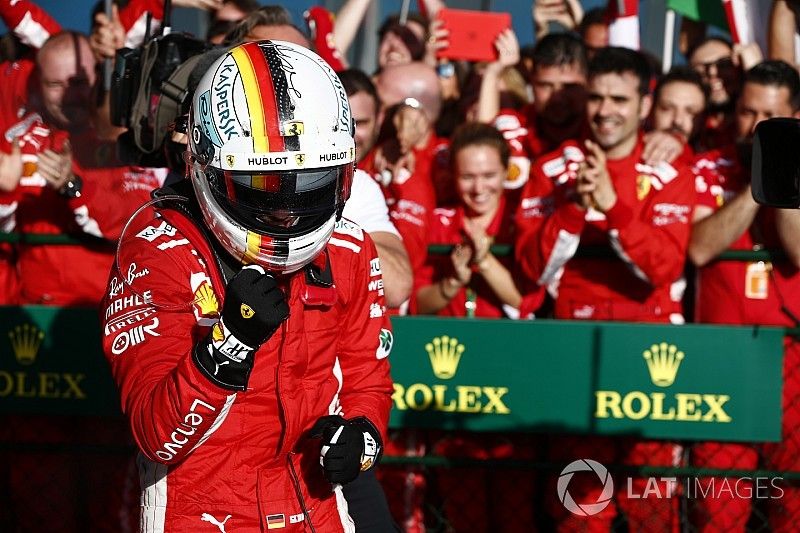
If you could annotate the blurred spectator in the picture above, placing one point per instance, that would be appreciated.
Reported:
(268, 22)
(234, 10)
(402, 43)
(564, 13)
(471, 281)
(411, 160)
(71, 183)
(757, 292)
(597, 194)
(782, 30)
(713, 60)
(593, 29)
(721, 66)
(398, 42)
(679, 103)
(453, 76)
(557, 111)
(226, 17)
(367, 205)
(364, 104)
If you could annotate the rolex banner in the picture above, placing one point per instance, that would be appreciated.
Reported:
(654, 381)
(676, 382)
(51, 361)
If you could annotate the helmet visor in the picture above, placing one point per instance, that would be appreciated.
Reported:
(281, 203)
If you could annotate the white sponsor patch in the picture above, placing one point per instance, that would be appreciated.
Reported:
(234, 349)
(507, 122)
(128, 319)
(554, 167)
(374, 267)
(135, 336)
(346, 227)
(666, 214)
(151, 233)
(375, 310)
(376, 285)
(385, 343)
(128, 301)
(188, 427)
(133, 273)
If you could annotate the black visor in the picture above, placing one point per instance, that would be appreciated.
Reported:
(288, 203)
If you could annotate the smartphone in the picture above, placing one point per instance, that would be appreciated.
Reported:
(775, 176)
(472, 33)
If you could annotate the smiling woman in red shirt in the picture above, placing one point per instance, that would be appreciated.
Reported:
(471, 281)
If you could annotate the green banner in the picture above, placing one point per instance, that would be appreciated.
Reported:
(676, 382)
(51, 361)
(655, 381)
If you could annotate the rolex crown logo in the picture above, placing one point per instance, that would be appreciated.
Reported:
(445, 353)
(206, 300)
(25, 341)
(663, 361)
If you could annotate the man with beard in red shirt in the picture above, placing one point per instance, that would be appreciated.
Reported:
(558, 80)
(599, 193)
(756, 292)
(679, 103)
(71, 182)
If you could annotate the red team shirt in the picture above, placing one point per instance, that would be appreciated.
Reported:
(741, 292)
(643, 238)
(447, 227)
(411, 197)
(525, 142)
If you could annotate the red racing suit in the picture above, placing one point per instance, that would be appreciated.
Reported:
(739, 292)
(644, 235)
(636, 276)
(210, 453)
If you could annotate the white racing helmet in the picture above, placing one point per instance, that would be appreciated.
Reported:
(272, 153)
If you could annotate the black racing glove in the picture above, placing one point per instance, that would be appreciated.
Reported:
(348, 447)
(253, 311)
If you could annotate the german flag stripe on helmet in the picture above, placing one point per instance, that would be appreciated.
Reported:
(258, 244)
(257, 79)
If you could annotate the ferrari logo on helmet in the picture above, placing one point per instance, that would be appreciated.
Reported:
(247, 311)
(300, 159)
(352, 150)
(230, 159)
(295, 128)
